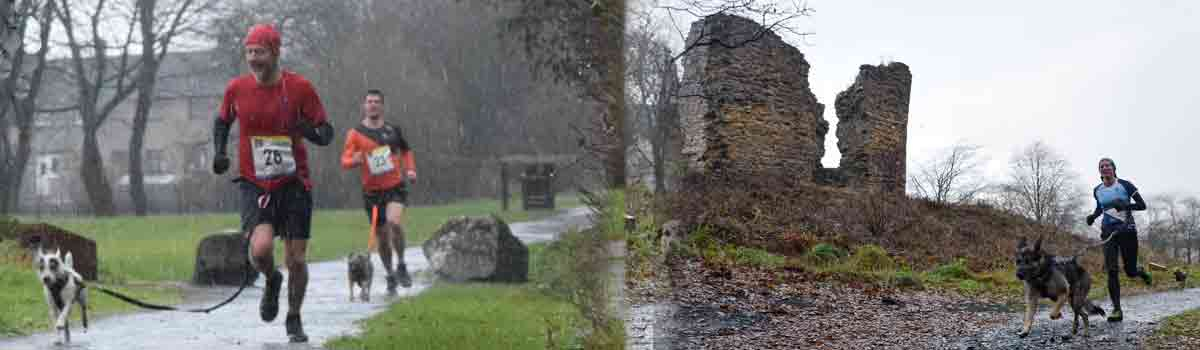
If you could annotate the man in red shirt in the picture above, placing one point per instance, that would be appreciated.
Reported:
(386, 160)
(274, 109)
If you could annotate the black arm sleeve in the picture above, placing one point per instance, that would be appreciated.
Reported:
(220, 135)
(1135, 197)
(322, 134)
(399, 142)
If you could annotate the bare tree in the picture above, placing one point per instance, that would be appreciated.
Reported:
(582, 42)
(18, 104)
(652, 81)
(1190, 225)
(1154, 226)
(774, 16)
(102, 69)
(1173, 223)
(158, 26)
(10, 24)
(1042, 187)
(951, 176)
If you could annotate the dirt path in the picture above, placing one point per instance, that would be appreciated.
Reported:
(746, 309)
(327, 311)
(1142, 314)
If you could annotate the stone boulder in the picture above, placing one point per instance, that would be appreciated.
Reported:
(477, 249)
(50, 237)
(222, 259)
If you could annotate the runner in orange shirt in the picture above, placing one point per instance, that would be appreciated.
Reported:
(386, 161)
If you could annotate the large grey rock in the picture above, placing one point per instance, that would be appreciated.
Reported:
(477, 249)
(222, 259)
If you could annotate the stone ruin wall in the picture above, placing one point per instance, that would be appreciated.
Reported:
(748, 111)
(873, 127)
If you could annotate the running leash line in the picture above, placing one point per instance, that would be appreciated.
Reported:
(146, 305)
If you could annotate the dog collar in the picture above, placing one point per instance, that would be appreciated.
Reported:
(1044, 272)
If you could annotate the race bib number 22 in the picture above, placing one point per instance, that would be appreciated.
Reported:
(272, 157)
(380, 160)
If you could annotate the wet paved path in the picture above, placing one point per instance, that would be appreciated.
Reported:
(327, 311)
(650, 326)
(1142, 314)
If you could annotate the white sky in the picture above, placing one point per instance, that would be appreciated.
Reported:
(1090, 78)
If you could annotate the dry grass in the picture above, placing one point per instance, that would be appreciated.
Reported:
(788, 217)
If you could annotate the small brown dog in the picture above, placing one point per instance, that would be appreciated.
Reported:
(361, 272)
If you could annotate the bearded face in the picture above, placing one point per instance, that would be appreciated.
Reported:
(262, 61)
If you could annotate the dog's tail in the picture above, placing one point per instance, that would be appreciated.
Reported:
(1094, 310)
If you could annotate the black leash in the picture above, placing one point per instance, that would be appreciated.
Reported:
(246, 281)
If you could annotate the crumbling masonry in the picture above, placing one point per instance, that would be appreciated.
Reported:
(747, 110)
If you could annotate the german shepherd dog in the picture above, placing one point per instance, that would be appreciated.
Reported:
(63, 287)
(1056, 278)
(360, 272)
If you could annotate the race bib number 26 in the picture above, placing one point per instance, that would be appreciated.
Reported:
(380, 160)
(272, 157)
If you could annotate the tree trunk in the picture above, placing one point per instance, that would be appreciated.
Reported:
(137, 189)
(666, 123)
(24, 150)
(612, 28)
(7, 173)
(94, 180)
(146, 75)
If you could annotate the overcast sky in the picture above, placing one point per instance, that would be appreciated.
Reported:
(1091, 78)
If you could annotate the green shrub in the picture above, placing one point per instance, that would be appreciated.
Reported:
(906, 279)
(757, 257)
(953, 271)
(970, 286)
(872, 258)
(826, 253)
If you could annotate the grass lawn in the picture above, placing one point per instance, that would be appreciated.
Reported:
(23, 309)
(163, 248)
(137, 253)
(1181, 331)
(544, 313)
(470, 316)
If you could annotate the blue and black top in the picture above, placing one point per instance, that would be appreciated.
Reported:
(1119, 196)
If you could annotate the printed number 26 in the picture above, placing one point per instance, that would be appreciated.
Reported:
(273, 157)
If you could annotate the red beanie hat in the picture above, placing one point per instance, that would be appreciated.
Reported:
(265, 35)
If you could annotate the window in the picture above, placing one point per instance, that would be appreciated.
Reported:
(49, 167)
(154, 162)
(198, 158)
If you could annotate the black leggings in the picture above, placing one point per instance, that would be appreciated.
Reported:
(1125, 247)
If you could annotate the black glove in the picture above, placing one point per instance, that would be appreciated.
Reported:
(220, 163)
(1091, 219)
(1119, 206)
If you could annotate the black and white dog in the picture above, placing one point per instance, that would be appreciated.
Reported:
(62, 287)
